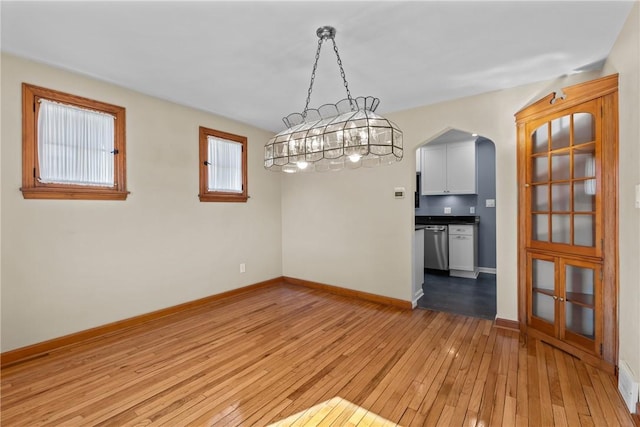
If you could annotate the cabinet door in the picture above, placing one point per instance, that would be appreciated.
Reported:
(461, 252)
(461, 167)
(564, 299)
(563, 182)
(434, 170)
(581, 304)
(542, 299)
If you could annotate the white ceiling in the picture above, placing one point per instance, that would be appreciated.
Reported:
(251, 61)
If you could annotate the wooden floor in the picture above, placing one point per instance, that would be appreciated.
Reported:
(294, 356)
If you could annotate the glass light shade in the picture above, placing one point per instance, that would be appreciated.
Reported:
(347, 134)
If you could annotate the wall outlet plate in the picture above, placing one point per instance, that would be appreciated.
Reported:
(398, 192)
(447, 210)
(490, 203)
(472, 209)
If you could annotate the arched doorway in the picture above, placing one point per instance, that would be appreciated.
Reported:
(457, 218)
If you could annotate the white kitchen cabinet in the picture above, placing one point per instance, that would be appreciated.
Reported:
(463, 251)
(418, 159)
(449, 168)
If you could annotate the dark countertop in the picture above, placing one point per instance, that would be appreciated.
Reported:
(446, 219)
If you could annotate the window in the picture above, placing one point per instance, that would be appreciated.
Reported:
(73, 147)
(223, 166)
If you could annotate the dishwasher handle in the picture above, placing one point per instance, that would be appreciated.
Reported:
(436, 228)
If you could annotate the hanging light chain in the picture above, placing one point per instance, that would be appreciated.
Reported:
(323, 34)
(344, 78)
(313, 77)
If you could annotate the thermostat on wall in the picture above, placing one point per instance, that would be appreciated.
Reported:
(398, 192)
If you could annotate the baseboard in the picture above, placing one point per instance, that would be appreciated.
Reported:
(487, 270)
(636, 416)
(416, 297)
(407, 305)
(464, 273)
(512, 325)
(41, 349)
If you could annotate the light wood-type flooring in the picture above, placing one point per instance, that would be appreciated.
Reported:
(286, 355)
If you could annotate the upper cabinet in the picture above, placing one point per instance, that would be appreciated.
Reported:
(449, 168)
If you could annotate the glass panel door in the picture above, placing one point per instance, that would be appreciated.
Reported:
(563, 182)
(581, 297)
(543, 294)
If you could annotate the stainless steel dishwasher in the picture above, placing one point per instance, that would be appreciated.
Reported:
(436, 247)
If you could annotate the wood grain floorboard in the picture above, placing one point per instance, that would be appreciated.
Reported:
(286, 355)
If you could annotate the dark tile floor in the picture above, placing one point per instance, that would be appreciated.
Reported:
(469, 297)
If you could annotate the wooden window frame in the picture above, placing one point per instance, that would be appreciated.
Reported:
(32, 188)
(207, 195)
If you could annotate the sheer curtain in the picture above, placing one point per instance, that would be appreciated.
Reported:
(75, 145)
(225, 165)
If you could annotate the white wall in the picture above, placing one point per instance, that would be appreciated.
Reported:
(72, 265)
(625, 60)
(346, 229)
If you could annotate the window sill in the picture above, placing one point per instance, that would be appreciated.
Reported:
(73, 194)
(239, 198)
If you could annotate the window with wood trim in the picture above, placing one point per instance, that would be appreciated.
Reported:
(72, 147)
(223, 166)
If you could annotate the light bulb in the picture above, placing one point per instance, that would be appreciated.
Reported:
(354, 157)
(302, 165)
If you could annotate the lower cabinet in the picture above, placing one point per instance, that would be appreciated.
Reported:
(463, 251)
(564, 300)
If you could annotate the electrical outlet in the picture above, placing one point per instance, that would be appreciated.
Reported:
(242, 268)
(472, 209)
(447, 210)
(490, 203)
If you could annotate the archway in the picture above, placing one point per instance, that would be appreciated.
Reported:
(444, 287)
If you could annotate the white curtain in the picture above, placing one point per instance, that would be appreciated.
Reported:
(225, 165)
(75, 145)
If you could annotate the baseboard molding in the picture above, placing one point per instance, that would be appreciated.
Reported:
(407, 305)
(464, 273)
(636, 416)
(41, 349)
(416, 297)
(512, 325)
(487, 270)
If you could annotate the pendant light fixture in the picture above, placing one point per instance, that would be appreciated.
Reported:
(347, 134)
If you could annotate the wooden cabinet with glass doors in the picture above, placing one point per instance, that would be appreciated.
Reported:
(567, 169)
